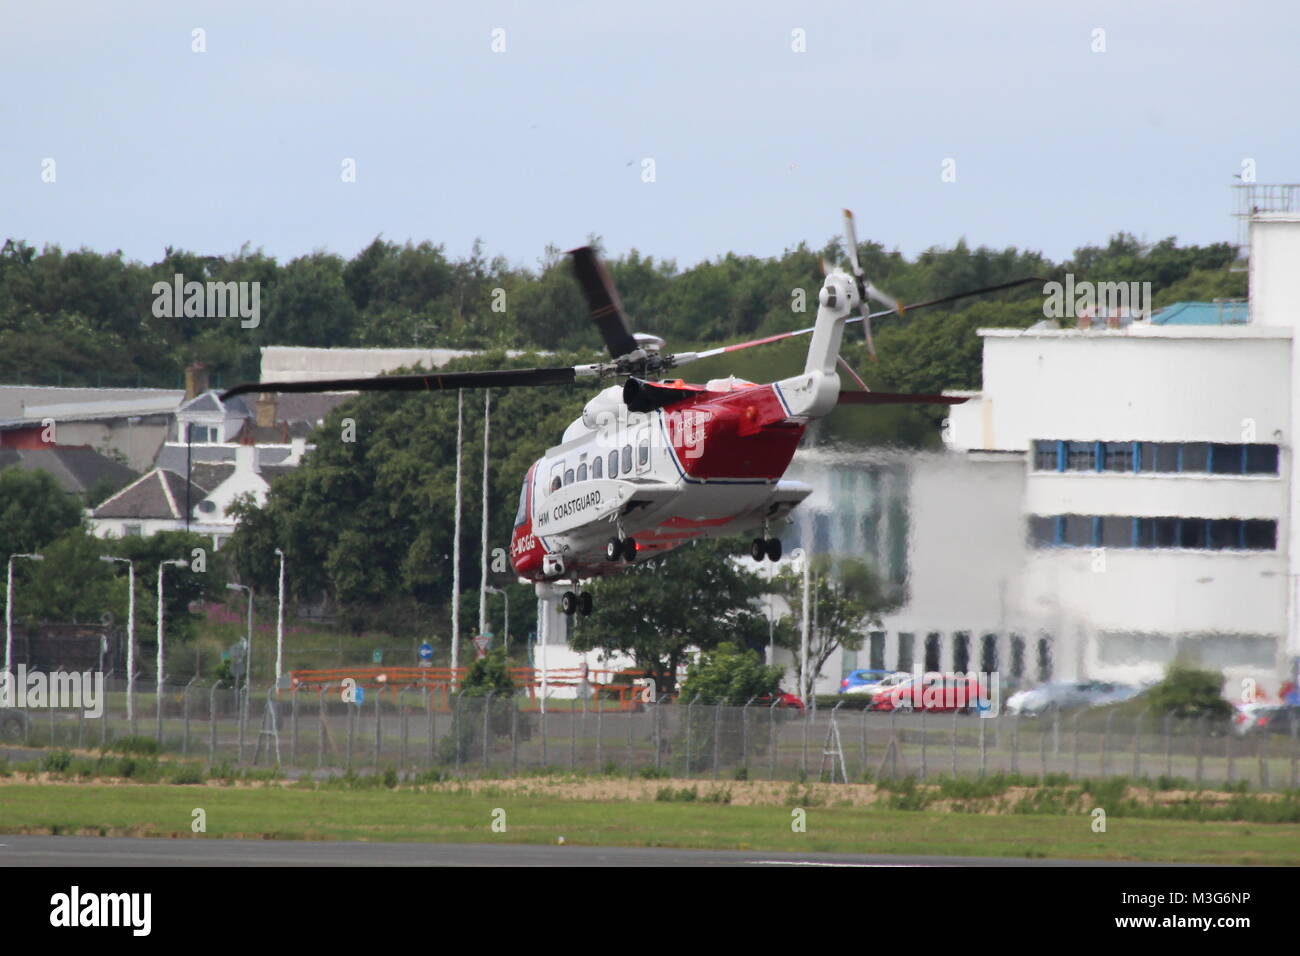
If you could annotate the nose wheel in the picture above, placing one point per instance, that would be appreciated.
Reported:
(769, 548)
(621, 549)
(572, 603)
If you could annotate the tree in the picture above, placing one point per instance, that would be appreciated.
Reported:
(730, 675)
(697, 596)
(34, 511)
(845, 598)
(1189, 692)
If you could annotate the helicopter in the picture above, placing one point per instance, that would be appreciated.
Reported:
(655, 462)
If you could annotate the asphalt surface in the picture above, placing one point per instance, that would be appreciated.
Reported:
(74, 851)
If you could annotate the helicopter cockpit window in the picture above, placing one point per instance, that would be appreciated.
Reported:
(627, 459)
(568, 476)
(598, 468)
(613, 464)
(555, 483)
(522, 514)
(582, 472)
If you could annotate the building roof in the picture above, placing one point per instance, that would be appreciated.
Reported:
(77, 468)
(172, 455)
(1202, 313)
(17, 401)
(159, 494)
(280, 433)
(306, 407)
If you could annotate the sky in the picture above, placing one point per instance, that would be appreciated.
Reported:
(683, 130)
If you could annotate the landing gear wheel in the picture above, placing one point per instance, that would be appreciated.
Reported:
(585, 603)
(774, 549)
(629, 550)
(758, 550)
(613, 549)
(569, 603)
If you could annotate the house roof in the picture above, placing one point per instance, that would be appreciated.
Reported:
(306, 407)
(1202, 313)
(159, 494)
(172, 455)
(77, 468)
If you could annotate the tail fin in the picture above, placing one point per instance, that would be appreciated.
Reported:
(837, 300)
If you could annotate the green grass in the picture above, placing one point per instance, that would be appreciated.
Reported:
(413, 814)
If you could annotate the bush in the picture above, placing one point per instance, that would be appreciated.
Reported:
(139, 746)
(1187, 692)
(57, 761)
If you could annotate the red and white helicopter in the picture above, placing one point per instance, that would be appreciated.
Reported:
(652, 464)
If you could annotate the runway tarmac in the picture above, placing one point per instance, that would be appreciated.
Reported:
(78, 851)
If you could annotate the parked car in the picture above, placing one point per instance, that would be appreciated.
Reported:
(13, 725)
(871, 681)
(935, 694)
(1260, 718)
(785, 701)
(1065, 695)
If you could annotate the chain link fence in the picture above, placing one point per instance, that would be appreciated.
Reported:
(410, 730)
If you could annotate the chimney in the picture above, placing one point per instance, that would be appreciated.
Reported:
(297, 448)
(196, 380)
(265, 411)
(246, 459)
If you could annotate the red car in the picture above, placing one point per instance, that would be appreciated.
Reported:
(782, 701)
(935, 693)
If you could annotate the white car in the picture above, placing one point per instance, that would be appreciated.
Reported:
(880, 686)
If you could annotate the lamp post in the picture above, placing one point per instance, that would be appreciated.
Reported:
(176, 563)
(801, 556)
(9, 605)
(483, 559)
(130, 631)
(248, 649)
(455, 548)
(279, 625)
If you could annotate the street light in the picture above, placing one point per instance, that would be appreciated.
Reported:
(176, 563)
(279, 625)
(800, 556)
(130, 631)
(248, 650)
(9, 605)
(505, 628)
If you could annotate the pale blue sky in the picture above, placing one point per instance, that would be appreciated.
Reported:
(756, 147)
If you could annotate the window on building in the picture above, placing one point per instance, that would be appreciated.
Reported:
(1081, 456)
(1195, 456)
(1225, 535)
(1045, 456)
(1226, 459)
(906, 656)
(1261, 459)
(1191, 533)
(1017, 656)
(1042, 531)
(131, 531)
(1116, 532)
(876, 650)
(1118, 455)
(989, 653)
(1078, 531)
(932, 652)
(1044, 658)
(961, 652)
(1258, 535)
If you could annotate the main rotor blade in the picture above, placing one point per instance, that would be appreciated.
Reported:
(897, 398)
(429, 382)
(908, 307)
(603, 301)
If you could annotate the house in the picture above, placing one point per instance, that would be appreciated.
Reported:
(78, 469)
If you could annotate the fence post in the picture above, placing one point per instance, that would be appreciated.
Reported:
(803, 757)
(487, 728)
(1015, 744)
(293, 723)
(1169, 747)
(862, 743)
(457, 706)
(1137, 747)
(1074, 730)
(954, 744)
(1042, 751)
(322, 730)
(690, 710)
(573, 734)
(1200, 747)
(600, 733)
(430, 721)
(1263, 761)
(771, 715)
(983, 748)
(401, 710)
(242, 704)
(1056, 731)
(545, 760)
(185, 717)
(1293, 751)
(1105, 744)
(744, 734)
(212, 722)
(1232, 756)
(379, 724)
(717, 737)
(514, 740)
(159, 691)
(631, 725)
(352, 728)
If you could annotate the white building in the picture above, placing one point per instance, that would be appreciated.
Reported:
(1112, 498)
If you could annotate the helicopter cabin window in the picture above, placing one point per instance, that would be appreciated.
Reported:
(522, 514)
(627, 459)
(557, 476)
(568, 476)
(613, 464)
(642, 454)
(582, 472)
(598, 467)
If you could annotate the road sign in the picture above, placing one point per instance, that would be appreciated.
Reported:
(359, 697)
(481, 643)
(426, 651)
(377, 656)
